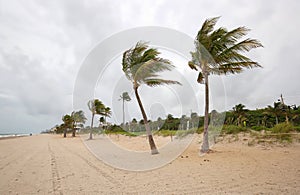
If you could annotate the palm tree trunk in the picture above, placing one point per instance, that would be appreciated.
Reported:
(205, 144)
(150, 137)
(91, 132)
(65, 132)
(286, 118)
(73, 126)
(123, 115)
(276, 120)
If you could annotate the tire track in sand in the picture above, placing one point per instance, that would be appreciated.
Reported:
(56, 185)
(105, 175)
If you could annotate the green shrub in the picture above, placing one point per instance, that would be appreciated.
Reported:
(165, 133)
(200, 130)
(233, 129)
(282, 128)
(115, 129)
(297, 128)
(258, 128)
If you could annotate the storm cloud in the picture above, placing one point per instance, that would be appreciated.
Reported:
(43, 45)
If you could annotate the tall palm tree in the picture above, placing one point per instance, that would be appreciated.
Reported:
(219, 52)
(124, 97)
(78, 118)
(141, 65)
(96, 107)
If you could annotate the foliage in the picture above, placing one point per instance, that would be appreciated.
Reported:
(258, 128)
(141, 65)
(116, 129)
(233, 129)
(282, 128)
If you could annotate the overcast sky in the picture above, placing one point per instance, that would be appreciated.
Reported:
(44, 43)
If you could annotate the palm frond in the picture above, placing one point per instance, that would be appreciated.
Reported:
(235, 34)
(153, 82)
(142, 63)
(192, 65)
(200, 78)
(151, 68)
(207, 27)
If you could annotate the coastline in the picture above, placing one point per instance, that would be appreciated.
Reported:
(11, 136)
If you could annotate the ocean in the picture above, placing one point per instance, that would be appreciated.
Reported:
(4, 135)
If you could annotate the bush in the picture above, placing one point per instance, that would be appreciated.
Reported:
(233, 129)
(165, 133)
(115, 129)
(297, 128)
(282, 128)
(258, 128)
(200, 130)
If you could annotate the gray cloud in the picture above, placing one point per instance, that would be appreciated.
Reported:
(43, 44)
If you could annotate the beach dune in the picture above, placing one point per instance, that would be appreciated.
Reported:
(50, 164)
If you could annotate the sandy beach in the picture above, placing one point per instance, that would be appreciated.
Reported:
(50, 164)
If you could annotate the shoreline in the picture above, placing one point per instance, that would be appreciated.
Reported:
(12, 136)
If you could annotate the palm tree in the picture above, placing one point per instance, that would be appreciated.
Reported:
(219, 52)
(78, 118)
(124, 97)
(106, 113)
(68, 123)
(141, 65)
(239, 111)
(274, 111)
(96, 107)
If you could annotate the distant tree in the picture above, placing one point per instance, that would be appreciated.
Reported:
(219, 52)
(141, 65)
(68, 123)
(102, 120)
(78, 118)
(106, 113)
(194, 119)
(274, 111)
(239, 112)
(134, 121)
(124, 97)
(96, 107)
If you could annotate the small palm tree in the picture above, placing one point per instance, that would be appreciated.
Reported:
(96, 107)
(124, 97)
(68, 123)
(106, 113)
(78, 118)
(141, 65)
(219, 52)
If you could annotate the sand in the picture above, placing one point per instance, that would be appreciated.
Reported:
(50, 164)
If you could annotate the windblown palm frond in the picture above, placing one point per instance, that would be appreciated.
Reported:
(142, 64)
(221, 51)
